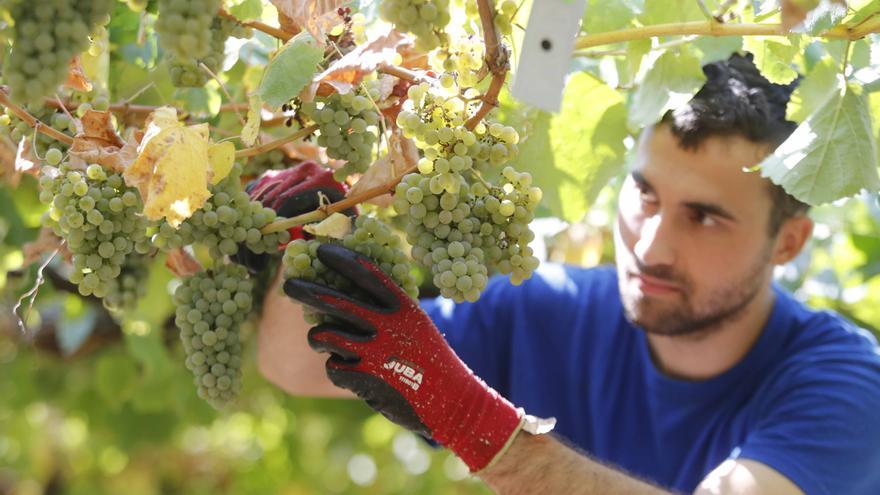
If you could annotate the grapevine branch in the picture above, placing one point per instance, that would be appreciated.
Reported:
(271, 145)
(496, 59)
(282, 35)
(327, 210)
(32, 121)
(713, 28)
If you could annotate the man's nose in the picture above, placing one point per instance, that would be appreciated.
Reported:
(655, 244)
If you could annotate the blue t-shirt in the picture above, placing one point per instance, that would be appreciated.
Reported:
(805, 400)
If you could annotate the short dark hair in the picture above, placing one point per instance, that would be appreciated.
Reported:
(737, 100)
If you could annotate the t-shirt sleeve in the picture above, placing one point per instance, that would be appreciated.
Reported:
(821, 431)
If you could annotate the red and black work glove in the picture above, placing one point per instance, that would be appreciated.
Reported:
(291, 192)
(389, 353)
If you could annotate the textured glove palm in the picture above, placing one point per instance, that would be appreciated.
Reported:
(389, 353)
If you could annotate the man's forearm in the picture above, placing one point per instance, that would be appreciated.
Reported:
(543, 464)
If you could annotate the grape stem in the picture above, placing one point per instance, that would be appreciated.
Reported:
(282, 35)
(271, 145)
(327, 210)
(496, 61)
(33, 121)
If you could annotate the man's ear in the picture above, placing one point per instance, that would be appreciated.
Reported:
(792, 236)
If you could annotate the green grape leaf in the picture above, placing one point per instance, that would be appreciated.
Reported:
(290, 70)
(610, 15)
(816, 87)
(862, 9)
(715, 48)
(832, 155)
(672, 11)
(574, 153)
(773, 57)
(247, 10)
(823, 17)
(670, 82)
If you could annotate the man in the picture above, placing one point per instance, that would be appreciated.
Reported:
(685, 369)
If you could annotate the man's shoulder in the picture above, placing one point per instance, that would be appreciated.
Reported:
(823, 349)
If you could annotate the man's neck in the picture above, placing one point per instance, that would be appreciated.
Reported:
(707, 354)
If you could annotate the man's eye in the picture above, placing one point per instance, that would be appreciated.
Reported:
(703, 219)
(646, 196)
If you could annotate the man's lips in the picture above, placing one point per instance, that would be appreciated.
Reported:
(654, 286)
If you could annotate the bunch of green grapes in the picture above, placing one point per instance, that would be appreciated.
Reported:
(371, 238)
(211, 306)
(184, 27)
(100, 219)
(345, 122)
(458, 224)
(462, 60)
(47, 35)
(504, 15)
(271, 160)
(228, 218)
(124, 291)
(186, 72)
(426, 19)
(46, 147)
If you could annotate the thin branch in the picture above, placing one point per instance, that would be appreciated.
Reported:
(282, 35)
(327, 210)
(225, 91)
(619, 52)
(496, 61)
(32, 121)
(707, 28)
(403, 73)
(706, 11)
(32, 294)
(866, 27)
(256, 150)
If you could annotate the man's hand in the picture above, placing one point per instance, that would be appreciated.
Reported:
(291, 192)
(388, 352)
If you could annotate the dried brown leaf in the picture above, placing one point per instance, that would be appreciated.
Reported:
(76, 79)
(794, 12)
(349, 70)
(317, 17)
(182, 264)
(97, 142)
(402, 155)
(25, 162)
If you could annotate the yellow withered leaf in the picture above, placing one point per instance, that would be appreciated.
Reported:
(175, 165)
(336, 226)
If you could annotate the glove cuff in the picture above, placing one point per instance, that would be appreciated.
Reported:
(481, 426)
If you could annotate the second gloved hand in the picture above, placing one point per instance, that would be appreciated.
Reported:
(387, 351)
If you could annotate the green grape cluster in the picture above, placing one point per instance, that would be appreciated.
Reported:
(346, 123)
(462, 60)
(16, 129)
(426, 19)
(186, 72)
(228, 218)
(211, 307)
(504, 14)
(47, 35)
(271, 160)
(371, 238)
(100, 219)
(458, 224)
(184, 27)
(124, 291)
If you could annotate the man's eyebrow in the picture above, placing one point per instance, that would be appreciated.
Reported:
(711, 209)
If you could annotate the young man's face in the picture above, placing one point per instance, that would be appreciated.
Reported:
(691, 239)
